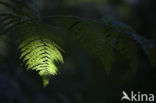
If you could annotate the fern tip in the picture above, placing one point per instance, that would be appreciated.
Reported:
(45, 82)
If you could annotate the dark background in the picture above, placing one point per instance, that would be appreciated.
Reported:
(82, 78)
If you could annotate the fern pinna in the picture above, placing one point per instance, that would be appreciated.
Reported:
(37, 51)
(38, 42)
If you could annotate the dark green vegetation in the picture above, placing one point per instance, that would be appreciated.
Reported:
(38, 43)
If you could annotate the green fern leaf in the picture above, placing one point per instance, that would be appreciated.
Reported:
(124, 40)
(90, 35)
(105, 39)
(37, 51)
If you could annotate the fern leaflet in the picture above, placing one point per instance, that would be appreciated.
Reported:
(38, 52)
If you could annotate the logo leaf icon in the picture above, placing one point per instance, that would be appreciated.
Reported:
(125, 96)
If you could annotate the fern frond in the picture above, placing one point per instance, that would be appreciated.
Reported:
(118, 39)
(37, 51)
(104, 39)
(89, 34)
(124, 40)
